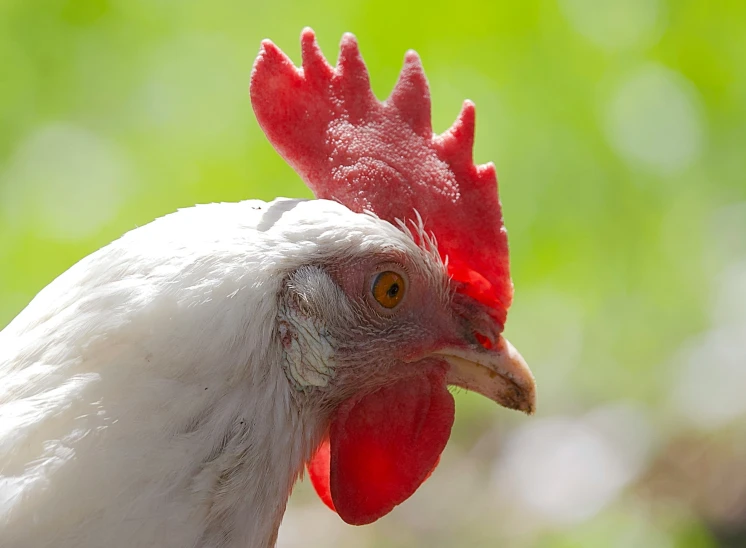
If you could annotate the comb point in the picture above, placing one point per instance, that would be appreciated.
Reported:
(313, 62)
(457, 142)
(412, 58)
(466, 120)
(269, 49)
(270, 54)
(411, 96)
(271, 68)
(349, 52)
(486, 174)
(353, 76)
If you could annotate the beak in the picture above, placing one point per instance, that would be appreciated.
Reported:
(499, 374)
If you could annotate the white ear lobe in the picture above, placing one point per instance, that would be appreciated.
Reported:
(308, 346)
(308, 351)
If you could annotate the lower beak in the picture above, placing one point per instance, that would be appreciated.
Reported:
(499, 374)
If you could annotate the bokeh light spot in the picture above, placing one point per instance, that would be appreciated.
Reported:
(616, 24)
(565, 470)
(654, 120)
(64, 182)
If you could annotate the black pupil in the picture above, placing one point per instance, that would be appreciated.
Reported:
(393, 290)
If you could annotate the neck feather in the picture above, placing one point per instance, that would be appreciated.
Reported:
(154, 413)
(214, 472)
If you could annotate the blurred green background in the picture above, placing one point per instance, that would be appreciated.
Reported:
(619, 133)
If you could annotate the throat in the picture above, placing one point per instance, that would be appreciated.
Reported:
(247, 483)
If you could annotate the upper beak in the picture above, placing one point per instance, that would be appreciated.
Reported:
(499, 374)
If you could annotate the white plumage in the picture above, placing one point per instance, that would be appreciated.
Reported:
(142, 401)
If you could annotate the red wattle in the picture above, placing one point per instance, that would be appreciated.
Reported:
(318, 471)
(382, 446)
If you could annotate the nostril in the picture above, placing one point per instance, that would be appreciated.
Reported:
(484, 340)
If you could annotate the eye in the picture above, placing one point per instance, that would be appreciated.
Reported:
(388, 289)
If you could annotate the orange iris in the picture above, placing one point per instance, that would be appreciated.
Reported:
(388, 289)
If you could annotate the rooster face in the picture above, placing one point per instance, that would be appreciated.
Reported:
(371, 339)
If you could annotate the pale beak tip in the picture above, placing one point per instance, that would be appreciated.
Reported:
(521, 399)
(501, 374)
(524, 383)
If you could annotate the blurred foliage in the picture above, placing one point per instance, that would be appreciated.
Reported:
(618, 129)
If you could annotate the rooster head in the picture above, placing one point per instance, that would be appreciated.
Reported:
(414, 320)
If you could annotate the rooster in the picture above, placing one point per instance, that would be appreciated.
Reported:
(168, 389)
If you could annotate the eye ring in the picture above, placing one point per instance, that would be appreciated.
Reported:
(388, 288)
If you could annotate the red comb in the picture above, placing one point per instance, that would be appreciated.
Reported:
(383, 156)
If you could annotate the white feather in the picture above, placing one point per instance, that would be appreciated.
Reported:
(142, 398)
